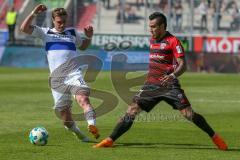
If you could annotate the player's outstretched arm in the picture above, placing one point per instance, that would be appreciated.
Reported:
(26, 26)
(88, 30)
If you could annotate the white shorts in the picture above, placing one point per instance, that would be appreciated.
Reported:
(62, 95)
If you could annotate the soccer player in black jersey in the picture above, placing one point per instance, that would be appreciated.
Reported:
(167, 63)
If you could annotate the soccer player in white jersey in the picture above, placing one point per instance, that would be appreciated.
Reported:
(60, 45)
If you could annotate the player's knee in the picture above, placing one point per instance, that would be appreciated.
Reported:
(188, 113)
(82, 100)
(133, 109)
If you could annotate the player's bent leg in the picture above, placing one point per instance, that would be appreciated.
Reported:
(200, 121)
(187, 113)
(90, 115)
(122, 126)
(70, 125)
(125, 123)
(66, 116)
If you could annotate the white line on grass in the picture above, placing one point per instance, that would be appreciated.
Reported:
(216, 101)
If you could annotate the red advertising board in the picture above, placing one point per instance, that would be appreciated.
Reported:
(230, 45)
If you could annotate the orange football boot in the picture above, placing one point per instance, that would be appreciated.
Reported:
(104, 143)
(219, 142)
(94, 131)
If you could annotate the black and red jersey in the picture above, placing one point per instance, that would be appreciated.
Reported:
(163, 55)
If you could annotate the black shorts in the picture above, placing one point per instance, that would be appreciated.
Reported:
(150, 95)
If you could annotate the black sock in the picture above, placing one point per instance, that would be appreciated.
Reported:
(202, 123)
(123, 125)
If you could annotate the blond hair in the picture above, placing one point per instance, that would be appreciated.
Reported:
(59, 12)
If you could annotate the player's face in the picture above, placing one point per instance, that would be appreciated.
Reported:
(59, 23)
(156, 29)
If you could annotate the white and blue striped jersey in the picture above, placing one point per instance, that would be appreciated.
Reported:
(59, 47)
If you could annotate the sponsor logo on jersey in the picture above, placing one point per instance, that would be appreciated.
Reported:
(155, 46)
(163, 45)
(158, 46)
(179, 49)
(156, 56)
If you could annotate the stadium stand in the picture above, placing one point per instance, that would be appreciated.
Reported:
(52, 3)
(107, 27)
(86, 15)
(108, 17)
(3, 10)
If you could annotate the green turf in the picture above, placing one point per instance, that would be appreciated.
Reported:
(26, 102)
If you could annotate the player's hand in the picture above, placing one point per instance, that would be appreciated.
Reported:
(39, 9)
(166, 80)
(88, 30)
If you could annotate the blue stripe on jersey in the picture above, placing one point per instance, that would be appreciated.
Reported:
(60, 46)
(72, 31)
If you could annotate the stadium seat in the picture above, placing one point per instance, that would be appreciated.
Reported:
(17, 5)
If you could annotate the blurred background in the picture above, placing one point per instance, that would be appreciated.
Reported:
(208, 30)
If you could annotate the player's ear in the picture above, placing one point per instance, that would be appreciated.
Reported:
(162, 25)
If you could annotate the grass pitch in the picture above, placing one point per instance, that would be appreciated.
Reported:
(26, 102)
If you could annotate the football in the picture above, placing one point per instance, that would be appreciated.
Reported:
(38, 136)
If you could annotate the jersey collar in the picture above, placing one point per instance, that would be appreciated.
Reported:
(159, 40)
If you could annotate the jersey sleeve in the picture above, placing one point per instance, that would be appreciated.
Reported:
(79, 38)
(177, 47)
(39, 32)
